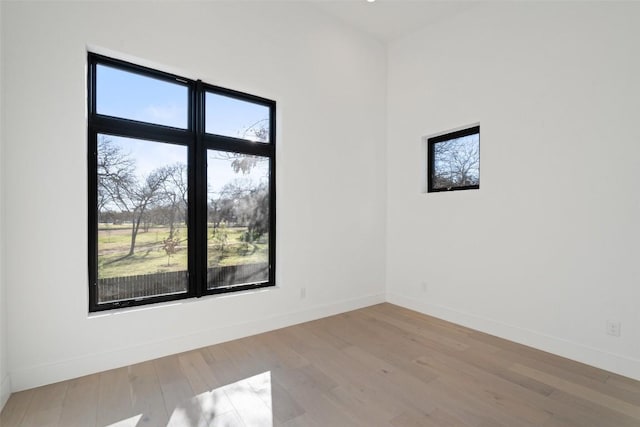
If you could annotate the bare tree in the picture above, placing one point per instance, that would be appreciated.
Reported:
(256, 131)
(243, 162)
(254, 212)
(456, 162)
(118, 186)
(170, 246)
(175, 193)
(243, 202)
(143, 196)
(115, 174)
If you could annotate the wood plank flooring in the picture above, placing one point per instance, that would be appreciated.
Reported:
(378, 366)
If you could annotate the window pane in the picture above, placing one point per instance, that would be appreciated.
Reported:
(456, 162)
(142, 217)
(228, 116)
(132, 96)
(238, 219)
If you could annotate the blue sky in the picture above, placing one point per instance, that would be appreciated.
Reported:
(129, 95)
(132, 96)
(231, 117)
(149, 155)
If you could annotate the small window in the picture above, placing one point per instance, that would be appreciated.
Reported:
(454, 161)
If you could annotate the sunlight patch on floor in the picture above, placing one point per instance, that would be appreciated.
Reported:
(245, 401)
(129, 422)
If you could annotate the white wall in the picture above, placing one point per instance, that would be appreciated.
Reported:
(329, 83)
(547, 250)
(5, 382)
(544, 253)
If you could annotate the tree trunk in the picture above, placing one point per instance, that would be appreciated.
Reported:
(135, 226)
(172, 220)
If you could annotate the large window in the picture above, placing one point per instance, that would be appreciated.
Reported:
(181, 187)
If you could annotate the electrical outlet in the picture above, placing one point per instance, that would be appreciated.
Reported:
(424, 286)
(303, 293)
(613, 328)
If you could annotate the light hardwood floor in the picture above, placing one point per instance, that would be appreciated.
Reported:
(381, 365)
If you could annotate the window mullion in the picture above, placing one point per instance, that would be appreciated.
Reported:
(221, 143)
(200, 194)
(130, 129)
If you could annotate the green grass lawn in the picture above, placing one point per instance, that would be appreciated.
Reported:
(149, 256)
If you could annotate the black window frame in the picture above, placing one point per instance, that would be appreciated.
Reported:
(197, 143)
(431, 143)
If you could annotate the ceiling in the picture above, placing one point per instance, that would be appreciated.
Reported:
(388, 20)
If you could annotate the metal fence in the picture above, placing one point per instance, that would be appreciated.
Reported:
(237, 275)
(146, 285)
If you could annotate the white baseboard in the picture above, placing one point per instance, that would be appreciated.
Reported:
(22, 379)
(5, 391)
(67, 369)
(571, 350)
